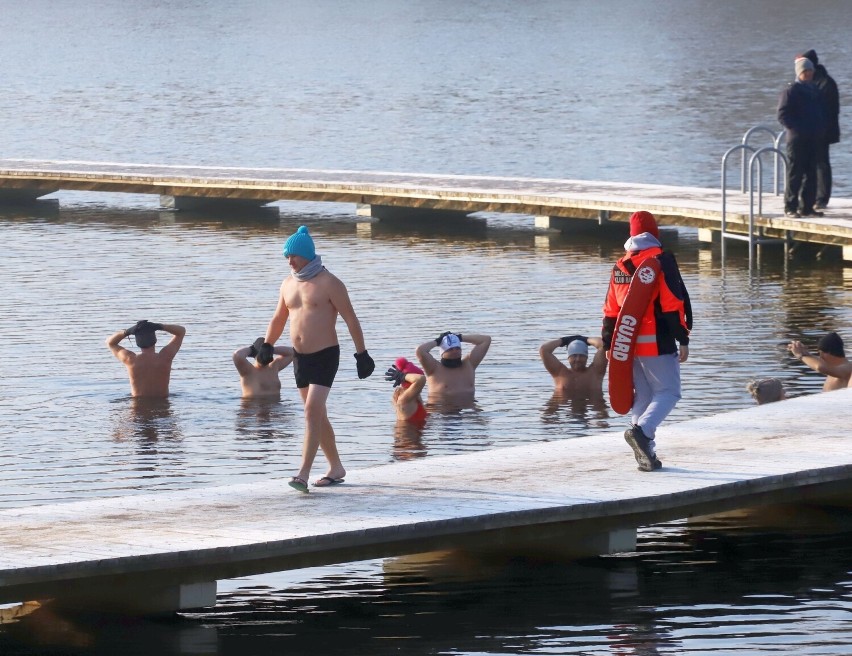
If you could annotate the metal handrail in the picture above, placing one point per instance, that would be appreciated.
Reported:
(754, 161)
(776, 140)
(744, 147)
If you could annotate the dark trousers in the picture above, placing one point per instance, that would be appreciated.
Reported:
(801, 174)
(823, 175)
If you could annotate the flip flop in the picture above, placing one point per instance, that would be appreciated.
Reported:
(326, 481)
(298, 484)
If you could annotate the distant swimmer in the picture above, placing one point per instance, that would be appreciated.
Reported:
(766, 390)
(312, 298)
(149, 371)
(260, 379)
(408, 382)
(578, 378)
(452, 379)
(830, 361)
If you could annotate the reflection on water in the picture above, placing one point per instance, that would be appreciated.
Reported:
(146, 420)
(579, 410)
(755, 581)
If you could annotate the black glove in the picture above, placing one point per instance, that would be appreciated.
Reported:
(265, 354)
(365, 364)
(254, 349)
(440, 338)
(135, 328)
(395, 375)
(567, 340)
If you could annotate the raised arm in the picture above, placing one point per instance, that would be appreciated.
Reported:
(417, 383)
(550, 361)
(124, 355)
(170, 350)
(816, 363)
(286, 357)
(481, 345)
(240, 358)
(425, 357)
(599, 362)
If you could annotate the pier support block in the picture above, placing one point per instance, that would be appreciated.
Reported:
(706, 235)
(570, 225)
(216, 205)
(130, 599)
(847, 255)
(23, 196)
(393, 212)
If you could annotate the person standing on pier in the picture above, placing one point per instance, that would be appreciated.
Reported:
(576, 379)
(657, 356)
(312, 298)
(831, 104)
(260, 379)
(452, 379)
(831, 361)
(148, 370)
(801, 112)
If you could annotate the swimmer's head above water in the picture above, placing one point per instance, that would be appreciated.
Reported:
(451, 353)
(145, 333)
(299, 248)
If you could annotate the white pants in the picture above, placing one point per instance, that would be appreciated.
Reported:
(656, 381)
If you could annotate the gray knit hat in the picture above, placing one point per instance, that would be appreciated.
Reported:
(803, 64)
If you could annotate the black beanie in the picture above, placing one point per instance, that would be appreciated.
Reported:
(832, 344)
(811, 54)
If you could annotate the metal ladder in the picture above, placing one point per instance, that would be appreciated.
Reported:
(747, 183)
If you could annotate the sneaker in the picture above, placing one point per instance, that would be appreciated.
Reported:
(813, 213)
(641, 446)
(792, 214)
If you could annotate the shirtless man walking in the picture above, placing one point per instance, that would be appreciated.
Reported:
(148, 370)
(452, 380)
(577, 379)
(260, 380)
(312, 298)
(830, 361)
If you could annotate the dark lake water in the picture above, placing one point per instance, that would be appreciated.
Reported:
(618, 90)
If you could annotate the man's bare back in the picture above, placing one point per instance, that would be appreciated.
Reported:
(148, 370)
(258, 380)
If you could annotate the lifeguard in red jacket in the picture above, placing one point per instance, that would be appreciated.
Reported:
(662, 341)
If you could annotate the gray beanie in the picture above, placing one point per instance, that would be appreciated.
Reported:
(803, 64)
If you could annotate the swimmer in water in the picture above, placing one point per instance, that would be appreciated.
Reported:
(408, 382)
(260, 379)
(148, 370)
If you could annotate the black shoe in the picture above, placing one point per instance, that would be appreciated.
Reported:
(820, 206)
(792, 214)
(813, 213)
(641, 446)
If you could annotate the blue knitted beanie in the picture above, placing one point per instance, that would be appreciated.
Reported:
(300, 243)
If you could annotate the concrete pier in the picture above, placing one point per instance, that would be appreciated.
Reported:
(580, 496)
(444, 197)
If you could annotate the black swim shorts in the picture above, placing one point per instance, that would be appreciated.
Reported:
(318, 368)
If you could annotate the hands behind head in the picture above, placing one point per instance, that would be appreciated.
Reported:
(254, 349)
(143, 326)
(365, 364)
(440, 338)
(262, 351)
(395, 375)
(134, 328)
(570, 338)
